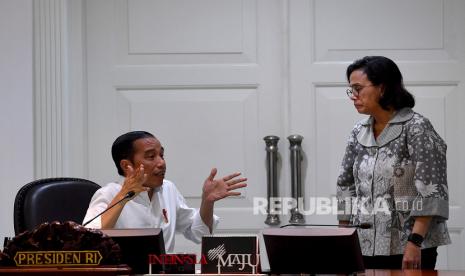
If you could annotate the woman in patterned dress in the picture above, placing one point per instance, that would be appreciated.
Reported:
(393, 175)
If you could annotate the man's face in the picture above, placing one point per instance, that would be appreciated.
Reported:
(150, 153)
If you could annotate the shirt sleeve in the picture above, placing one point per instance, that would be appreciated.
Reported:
(98, 203)
(190, 223)
(345, 182)
(428, 152)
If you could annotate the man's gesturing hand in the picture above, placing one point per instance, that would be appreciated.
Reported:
(216, 189)
(135, 181)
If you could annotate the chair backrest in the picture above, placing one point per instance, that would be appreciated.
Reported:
(51, 199)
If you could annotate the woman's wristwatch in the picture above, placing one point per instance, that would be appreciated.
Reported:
(416, 239)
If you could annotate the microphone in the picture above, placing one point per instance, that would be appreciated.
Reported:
(127, 196)
(364, 225)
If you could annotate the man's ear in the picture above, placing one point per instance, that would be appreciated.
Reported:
(124, 164)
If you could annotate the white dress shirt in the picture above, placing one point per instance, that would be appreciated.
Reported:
(141, 212)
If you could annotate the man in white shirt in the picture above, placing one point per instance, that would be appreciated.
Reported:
(139, 158)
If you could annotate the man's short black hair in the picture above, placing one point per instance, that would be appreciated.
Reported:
(383, 71)
(123, 147)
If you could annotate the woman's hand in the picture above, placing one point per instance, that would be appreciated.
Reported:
(412, 257)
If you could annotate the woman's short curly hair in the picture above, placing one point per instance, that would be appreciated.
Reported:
(383, 71)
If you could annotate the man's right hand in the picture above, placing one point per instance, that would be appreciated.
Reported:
(134, 181)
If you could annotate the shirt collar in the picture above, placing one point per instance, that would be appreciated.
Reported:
(393, 129)
(400, 116)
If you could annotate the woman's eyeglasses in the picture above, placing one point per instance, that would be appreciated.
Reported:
(354, 91)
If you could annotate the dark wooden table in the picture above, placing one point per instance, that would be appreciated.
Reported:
(97, 270)
(412, 272)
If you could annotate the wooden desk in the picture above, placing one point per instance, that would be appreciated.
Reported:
(125, 270)
(387, 272)
(412, 272)
(369, 272)
(98, 270)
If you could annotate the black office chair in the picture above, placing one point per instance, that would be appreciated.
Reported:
(51, 199)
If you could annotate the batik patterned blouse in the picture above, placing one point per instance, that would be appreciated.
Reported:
(388, 181)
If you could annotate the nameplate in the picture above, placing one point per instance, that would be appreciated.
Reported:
(58, 258)
(230, 254)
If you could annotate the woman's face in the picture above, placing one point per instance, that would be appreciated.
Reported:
(365, 95)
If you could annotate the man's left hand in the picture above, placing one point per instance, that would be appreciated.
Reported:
(216, 189)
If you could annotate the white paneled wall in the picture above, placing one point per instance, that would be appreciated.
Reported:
(50, 87)
(211, 78)
(16, 106)
(198, 76)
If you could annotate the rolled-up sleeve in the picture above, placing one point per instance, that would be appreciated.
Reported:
(190, 223)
